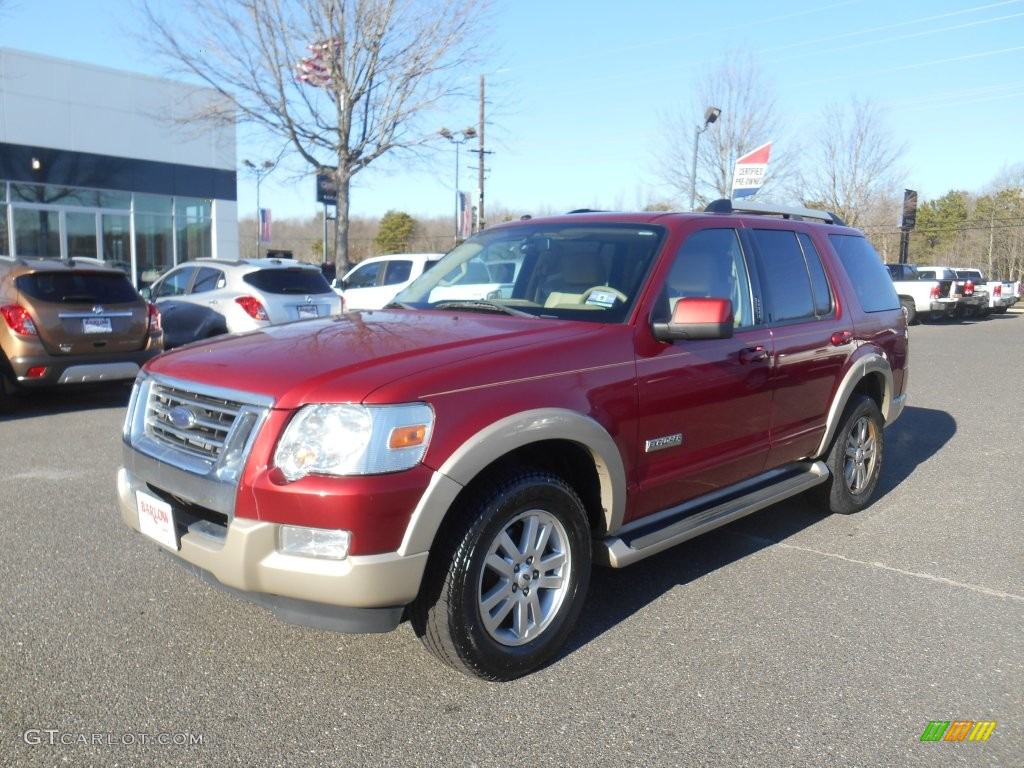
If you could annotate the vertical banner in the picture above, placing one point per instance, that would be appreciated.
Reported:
(465, 215)
(750, 172)
(264, 225)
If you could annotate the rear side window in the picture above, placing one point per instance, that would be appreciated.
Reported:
(397, 272)
(288, 281)
(792, 278)
(871, 281)
(208, 279)
(78, 287)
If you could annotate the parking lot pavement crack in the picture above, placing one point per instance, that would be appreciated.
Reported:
(882, 566)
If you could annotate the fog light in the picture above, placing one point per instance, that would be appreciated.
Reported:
(314, 542)
(36, 372)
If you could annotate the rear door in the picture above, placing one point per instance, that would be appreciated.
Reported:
(811, 338)
(78, 312)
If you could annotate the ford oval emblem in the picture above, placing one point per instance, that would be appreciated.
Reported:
(182, 417)
(97, 310)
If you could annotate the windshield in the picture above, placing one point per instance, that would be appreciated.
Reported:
(580, 271)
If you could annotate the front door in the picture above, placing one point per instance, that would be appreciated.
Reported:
(705, 405)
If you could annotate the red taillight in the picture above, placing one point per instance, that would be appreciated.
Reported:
(969, 288)
(935, 292)
(154, 319)
(252, 307)
(18, 319)
(36, 372)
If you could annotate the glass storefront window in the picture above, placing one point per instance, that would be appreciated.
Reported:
(4, 241)
(117, 246)
(153, 204)
(153, 246)
(195, 230)
(36, 233)
(81, 234)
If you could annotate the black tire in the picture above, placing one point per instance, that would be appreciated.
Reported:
(854, 459)
(487, 607)
(910, 308)
(8, 389)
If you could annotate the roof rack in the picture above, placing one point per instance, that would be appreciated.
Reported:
(771, 209)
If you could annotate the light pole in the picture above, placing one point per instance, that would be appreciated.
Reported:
(260, 170)
(467, 134)
(710, 115)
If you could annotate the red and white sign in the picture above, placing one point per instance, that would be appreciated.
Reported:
(750, 172)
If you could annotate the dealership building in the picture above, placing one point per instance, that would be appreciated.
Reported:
(101, 163)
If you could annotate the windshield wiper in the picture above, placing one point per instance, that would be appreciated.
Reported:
(481, 306)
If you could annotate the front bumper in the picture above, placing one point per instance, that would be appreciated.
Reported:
(364, 593)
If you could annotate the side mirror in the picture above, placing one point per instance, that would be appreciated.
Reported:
(146, 293)
(697, 318)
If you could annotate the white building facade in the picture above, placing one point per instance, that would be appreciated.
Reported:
(100, 163)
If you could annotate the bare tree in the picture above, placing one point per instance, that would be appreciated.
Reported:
(747, 120)
(339, 83)
(852, 165)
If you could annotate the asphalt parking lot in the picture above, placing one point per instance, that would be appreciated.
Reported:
(788, 638)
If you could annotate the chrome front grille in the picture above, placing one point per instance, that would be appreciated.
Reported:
(193, 422)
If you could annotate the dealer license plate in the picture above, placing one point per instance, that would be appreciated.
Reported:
(306, 311)
(96, 324)
(156, 519)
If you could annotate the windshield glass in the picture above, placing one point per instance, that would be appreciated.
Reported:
(580, 271)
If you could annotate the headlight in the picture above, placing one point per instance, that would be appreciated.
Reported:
(348, 439)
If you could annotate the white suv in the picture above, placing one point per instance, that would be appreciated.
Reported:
(374, 282)
(207, 297)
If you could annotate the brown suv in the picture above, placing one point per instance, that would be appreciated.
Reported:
(70, 322)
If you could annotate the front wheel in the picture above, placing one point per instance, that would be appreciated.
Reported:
(502, 598)
(854, 459)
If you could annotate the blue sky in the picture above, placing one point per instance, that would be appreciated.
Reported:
(579, 93)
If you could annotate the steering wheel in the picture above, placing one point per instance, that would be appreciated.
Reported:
(606, 289)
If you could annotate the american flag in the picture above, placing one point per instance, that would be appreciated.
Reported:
(465, 215)
(264, 225)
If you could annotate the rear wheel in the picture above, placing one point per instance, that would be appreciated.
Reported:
(910, 309)
(8, 389)
(854, 459)
(500, 601)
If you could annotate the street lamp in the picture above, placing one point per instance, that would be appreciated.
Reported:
(710, 115)
(260, 170)
(467, 134)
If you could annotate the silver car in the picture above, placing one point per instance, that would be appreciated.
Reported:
(207, 297)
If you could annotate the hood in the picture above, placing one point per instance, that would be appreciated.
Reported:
(346, 358)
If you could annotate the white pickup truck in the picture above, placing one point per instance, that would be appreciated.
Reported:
(1002, 294)
(921, 299)
(973, 299)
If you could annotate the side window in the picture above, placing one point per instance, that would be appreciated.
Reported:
(397, 272)
(208, 279)
(174, 284)
(711, 264)
(819, 283)
(785, 279)
(365, 276)
(871, 283)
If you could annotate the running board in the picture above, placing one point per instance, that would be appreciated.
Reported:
(650, 535)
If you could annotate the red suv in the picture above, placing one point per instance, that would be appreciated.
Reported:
(462, 457)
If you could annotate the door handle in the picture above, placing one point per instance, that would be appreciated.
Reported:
(753, 354)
